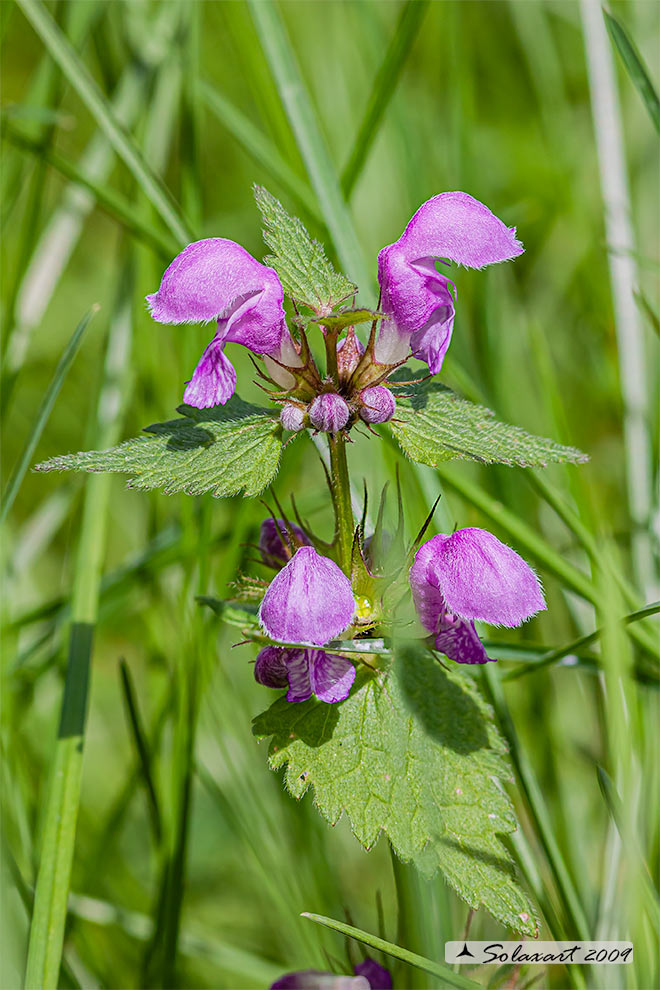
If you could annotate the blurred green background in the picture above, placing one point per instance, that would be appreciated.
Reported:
(405, 101)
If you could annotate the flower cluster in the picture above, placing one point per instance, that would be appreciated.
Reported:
(455, 580)
(216, 280)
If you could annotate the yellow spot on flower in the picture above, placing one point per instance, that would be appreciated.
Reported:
(364, 608)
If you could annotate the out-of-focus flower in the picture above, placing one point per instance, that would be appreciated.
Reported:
(275, 541)
(306, 672)
(417, 299)
(309, 601)
(469, 576)
(217, 279)
(368, 976)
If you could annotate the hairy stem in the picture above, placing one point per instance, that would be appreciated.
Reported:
(340, 489)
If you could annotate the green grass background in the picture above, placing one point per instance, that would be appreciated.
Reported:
(489, 97)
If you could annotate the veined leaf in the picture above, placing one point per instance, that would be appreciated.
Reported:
(304, 270)
(224, 450)
(415, 754)
(433, 424)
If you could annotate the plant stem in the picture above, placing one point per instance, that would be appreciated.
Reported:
(340, 489)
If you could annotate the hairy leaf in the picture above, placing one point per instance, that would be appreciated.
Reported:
(415, 754)
(224, 450)
(433, 424)
(304, 270)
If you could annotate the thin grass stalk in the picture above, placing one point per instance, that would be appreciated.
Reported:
(638, 449)
(61, 813)
(385, 82)
(313, 148)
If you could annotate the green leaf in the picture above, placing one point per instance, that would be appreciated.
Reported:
(348, 318)
(414, 754)
(634, 66)
(224, 450)
(301, 263)
(433, 424)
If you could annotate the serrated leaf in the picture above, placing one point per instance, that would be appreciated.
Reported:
(414, 754)
(433, 424)
(224, 450)
(301, 263)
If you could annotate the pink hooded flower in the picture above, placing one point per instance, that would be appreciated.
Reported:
(217, 279)
(470, 576)
(418, 300)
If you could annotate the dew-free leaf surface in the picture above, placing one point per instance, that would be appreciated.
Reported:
(433, 424)
(414, 754)
(225, 450)
(301, 263)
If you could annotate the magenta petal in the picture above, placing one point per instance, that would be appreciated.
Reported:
(274, 540)
(459, 641)
(313, 979)
(218, 279)
(331, 676)
(456, 226)
(271, 667)
(309, 601)
(473, 575)
(214, 379)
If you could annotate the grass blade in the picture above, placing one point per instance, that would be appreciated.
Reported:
(634, 66)
(61, 812)
(405, 31)
(49, 400)
(139, 739)
(88, 91)
(313, 148)
(449, 977)
(115, 205)
(259, 147)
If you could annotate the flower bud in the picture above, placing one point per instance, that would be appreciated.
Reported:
(349, 352)
(329, 412)
(378, 404)
(292, 417)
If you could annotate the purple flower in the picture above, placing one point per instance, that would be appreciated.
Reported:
(216, 279)
(470, 576)
(368, 976)
(417, 299)
(329, 412)
(309, 601)
(306, 672)
(378, 404)
(274, 540)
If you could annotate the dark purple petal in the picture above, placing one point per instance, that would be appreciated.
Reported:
(459, 641)
(331, 676)
(299, 676)
(275, 542)
(309, 601)
(473, 575)
(379, 978)
(378, 404)
(271, 667)
(214, 379)
(329, 412)
(312, 979)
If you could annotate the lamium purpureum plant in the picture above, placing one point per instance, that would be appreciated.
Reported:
(367, 634)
